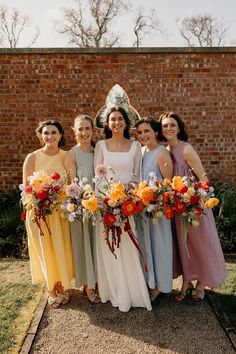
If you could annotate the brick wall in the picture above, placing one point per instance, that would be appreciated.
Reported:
(39, 84)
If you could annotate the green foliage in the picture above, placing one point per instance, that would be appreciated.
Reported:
(12, 229)
(225, 217)
(16, 293)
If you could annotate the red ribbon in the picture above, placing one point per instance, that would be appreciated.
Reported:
(128, 229)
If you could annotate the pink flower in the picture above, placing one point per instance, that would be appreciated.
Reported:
(55, 176)
(72, 190)
(28, 189)
(101, 171)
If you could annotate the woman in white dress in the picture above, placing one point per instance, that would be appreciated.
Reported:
(120, 280)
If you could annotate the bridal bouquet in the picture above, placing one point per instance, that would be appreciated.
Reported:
(117, 202)
(156, 196)
(191, 198)
(42, 195)
(81, 203)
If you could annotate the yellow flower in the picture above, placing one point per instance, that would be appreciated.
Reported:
(26, 200)
(71, 207)
(166, 181)
(177, 183)
(211, 203)
(62, 196)
(159, 214)
(90, 204)
(117, 191)
(28, 206)
(38, 178)
(142, 185)
(116, 195)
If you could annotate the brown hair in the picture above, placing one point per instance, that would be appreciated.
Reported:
(107, 130)
(182, 134)
(56, 124)
(156, 126)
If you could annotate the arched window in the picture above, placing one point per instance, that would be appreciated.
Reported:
(116, 97)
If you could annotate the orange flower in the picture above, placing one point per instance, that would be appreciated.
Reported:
(128, 208)
(91, 204)
(211, 203)
(177, 183)
(146, 194)
(117, 192)
(166, 197)
(169, 212)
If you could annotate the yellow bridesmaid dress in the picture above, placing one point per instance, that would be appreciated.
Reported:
(51, 257)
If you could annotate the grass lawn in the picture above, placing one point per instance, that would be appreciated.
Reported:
(227, 292)
(18, 299)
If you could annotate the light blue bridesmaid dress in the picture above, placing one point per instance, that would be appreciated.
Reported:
(156, 239)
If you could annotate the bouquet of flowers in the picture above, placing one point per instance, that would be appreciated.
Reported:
(156, 196)
(191, 198)
(42, 195)
(117, 202)
(81, 203)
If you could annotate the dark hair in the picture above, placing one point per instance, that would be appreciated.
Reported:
(107, 130)
(182, 134)
(154, 124)
(85, 117)
(57, 125)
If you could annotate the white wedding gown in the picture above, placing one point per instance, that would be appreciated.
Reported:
(120, 280)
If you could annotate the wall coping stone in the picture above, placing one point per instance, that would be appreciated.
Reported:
(120, 50)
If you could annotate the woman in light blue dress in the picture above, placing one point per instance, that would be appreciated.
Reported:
(156, 238)
(80, 163)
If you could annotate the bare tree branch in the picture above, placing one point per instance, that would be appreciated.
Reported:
(11, 27)
(95, 32)
(203, 30)
(145, 25)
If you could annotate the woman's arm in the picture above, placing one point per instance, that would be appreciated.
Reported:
(98, 155)
(194, 162)
(70, 165)
(28, 167)
(137, 161)
(165, 164)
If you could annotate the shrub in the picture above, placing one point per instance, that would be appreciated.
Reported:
(225, 217)
(12, 229)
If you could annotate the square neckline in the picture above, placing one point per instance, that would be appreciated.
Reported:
(118, 152)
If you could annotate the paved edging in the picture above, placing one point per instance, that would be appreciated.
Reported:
(31, 333)
(222, 317)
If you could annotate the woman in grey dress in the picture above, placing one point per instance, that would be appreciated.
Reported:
(156, 238)
(79, 163)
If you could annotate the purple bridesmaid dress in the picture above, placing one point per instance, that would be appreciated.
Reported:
(206, 262)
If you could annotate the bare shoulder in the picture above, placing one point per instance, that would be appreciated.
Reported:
(164, 152)
(188, 151)
(30, 158)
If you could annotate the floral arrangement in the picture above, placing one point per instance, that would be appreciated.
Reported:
(157, 197)
(42, 195)
(117, 202)
(191, 199)
(81, 203)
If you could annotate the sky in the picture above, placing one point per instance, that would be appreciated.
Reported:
(44, 13)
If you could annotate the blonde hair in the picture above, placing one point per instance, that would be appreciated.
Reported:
(79, 118)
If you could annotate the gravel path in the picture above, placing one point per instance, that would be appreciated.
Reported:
(81, 327)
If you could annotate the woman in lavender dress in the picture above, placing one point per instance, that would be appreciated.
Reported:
(206, 263)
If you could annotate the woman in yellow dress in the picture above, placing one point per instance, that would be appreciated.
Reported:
(51, 254)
